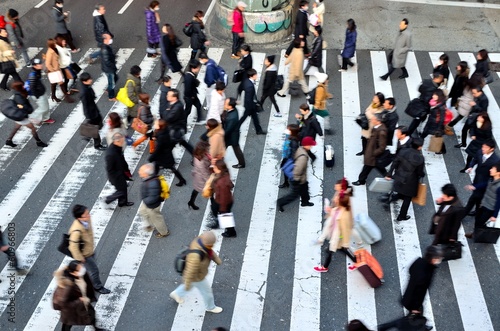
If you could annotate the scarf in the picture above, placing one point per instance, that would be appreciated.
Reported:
(209, 251)
(5, 39)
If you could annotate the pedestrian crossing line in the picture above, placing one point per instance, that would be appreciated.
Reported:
(29, 181)
(360, 296)
(23, 136)
(469, 295)
(403, 232)
(44, 315)
(190, 314)
(249, 306)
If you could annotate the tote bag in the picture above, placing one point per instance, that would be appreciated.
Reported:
(436, 144)
(226, 220)
(421, 195)
(122, 95)
(55, 77)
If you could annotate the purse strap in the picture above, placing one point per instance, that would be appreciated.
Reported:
(139, 112)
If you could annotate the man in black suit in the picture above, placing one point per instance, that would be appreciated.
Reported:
(90, 110)
(485, 159)
(191, 84)
(176, 119)
(404, 139)
(301, 27)
(251, 102)
(479, 105)
(117, 169)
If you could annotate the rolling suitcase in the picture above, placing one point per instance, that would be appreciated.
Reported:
(294, 89)
(329, 156)
(381, 185)
(367, 229)
(369, 267)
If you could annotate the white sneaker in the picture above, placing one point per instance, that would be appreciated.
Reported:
(278, 115)
(216, 310)
(177, 298)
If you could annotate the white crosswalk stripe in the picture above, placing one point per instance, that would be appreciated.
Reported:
(250, 283)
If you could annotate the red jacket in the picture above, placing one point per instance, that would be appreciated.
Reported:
(238, 21)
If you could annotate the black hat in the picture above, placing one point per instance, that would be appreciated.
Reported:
(12, 13)
(59, 1)
(271, 58)
(36, 61)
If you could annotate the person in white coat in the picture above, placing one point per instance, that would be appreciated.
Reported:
(217, 103)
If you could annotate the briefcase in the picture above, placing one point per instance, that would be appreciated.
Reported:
(436, 144)
(486, 235)
(452, 251)
(381, 185)
(421, 195)
(89, 130)
(238, 75)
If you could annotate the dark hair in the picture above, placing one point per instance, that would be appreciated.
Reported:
(153, 4)
(478, 88)
(271, 58)
(135, 70)
(449, 190)
(251, 73)
(319, 29)
(59, 40)
(246, 48)
(416, 143)
(115, 120)
(381, 97)
(391, 100)
(51, 43)
(433, 252)
(85, 76)
(406, 21)
(166, 79)
(212, 124)
(484, 54)
(220, 86)
(303, 3)
(203, 56)
(232, 102)
(71, 267)
(496, 166)
(170, 32)
(175, 92)
(445, 58)
(437, 74)
(403, 129)
(440, 95)
(296, 43)
(379, 117)
(19, 87)
(194, 63)
(199, 14)
(78, 210)
(490, 143)
(486, 124)
(304, 106)
(144, 97)
(351, 25)
(294, 130)
(200, 149)
(222, 166)
(463, 68)
(356, 325)
(162, 124)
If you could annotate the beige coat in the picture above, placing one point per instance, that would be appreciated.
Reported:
(296, 61)
(370, 112)
(338, 232)
(300, 165)
(52, 60)
(320, 97)
(6, 52)
(216, 141)
(76, 233)
(196, 268)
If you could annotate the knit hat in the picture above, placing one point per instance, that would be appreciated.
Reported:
(208, 238)
(321, 77)
(271, 58)
(308, 141)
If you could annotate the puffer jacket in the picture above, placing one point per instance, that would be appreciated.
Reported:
(198, 37)
(151, 192)
(196, 267)
(152, 28)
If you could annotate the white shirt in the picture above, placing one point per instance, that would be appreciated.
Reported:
(64, 56)
(216, 106)
(403, 141)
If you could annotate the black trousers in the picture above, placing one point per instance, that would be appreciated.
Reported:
(415, 123)
(346, 61)
(296, 190)
(405, 205)
(238, 153)
(482, 216)
(190, 102)
(120, 194)
(237, 42)
(366, 171)
(455, 120)
(465, 131)
(255, 119)
(270, 94)
(186, 145)
(327, 254)
(404, 72)
(11, 254)
(474, 201)
(15, 77)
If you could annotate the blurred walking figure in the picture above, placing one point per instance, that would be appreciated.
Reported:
(52, 63)
(269, 89)
(482, 64)
(61, 17)
(145, 115)
(191, 84)
(90, 110)
(134, 88)
(108, 65)
(349, 45)
(290, 146)
(238, 29)
(201, 171)
(215, 134)
(397, 57)
(296, 69)
(232, 131)
(196, 270)
(316, 58)
(11, 254)
(64, 65)
(37, 94)
(152, 28)
(16, 34)
(7, 54)
(176, 120)
(250, 102)
(217, 102)
(100, 28)
(198, 39)
(448, 219)
(169, 47)
(118, 171)
(116, 125)
(222, 200)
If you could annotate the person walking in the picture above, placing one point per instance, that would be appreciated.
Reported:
(150, 209)
(320, 107)
(108, 65)
(7, 54)
(166, 85)
(435, 122)
(480, 133)
(22, 102)
(349, 45)
(237, 29)
(407, 169)
(211, 77)
(309, 126)
(443, 68)
(295, 70)
(74, 296)
(246, 59)
(447, 220)
(16, 34)
(217, 102)
(478, 105)
(153, 34)
(316, 58)
(90, 110)
(375, 107)
(146, 116)
(299, 184)
(484, 158)
(169, 45)
(222, 200)
(290, 146)
(100, 28)
(459, 84)
(64, 65)
(162, 155)
(118, 171)
(191, 84)
(196, 270)
(116, 125)
(176, 120)
(198, 39)
(397, 57)
(81, 245)
(390, 118)
(215, 134)
(269, 89)
(61, 17)
(301, 30)
(337, 230)
(232, 131)
(37, 94)
(134, 88)
(53, 66)
(201, 171)
(375, 147)
(318, 15)
(12, 256)
(250, 102)
(482, 65)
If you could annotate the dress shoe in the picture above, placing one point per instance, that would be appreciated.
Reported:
(103, 290)
(360, 153)
(229, 235)
(357, 183)
(181, 183)
(238, 166)
(462, 171)
(384, 77)
(403, 76)
(307, 204)
(261, 132)
(459, 145)
(403, 218)
(192, 205)
(280, 95)
(280, 208)
(126, 204)
(469, 235)
(471, 213)
(10, 143)
(285, 184)
(100, 148)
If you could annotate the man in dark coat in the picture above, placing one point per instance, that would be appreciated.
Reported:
(374, 149)
(117, 168)
(301, 26)
(60, 17)
(231, 127)
(316, 58)
(406, 170)
(484, 159)
(479, 105)
(251, 102)
(166, 85)
(191, 84)
(447, 220)
(269, 89)
(108, 65)
(390, 118)
(90, 110)
(100, 28)
(176, 120)
(309, 126)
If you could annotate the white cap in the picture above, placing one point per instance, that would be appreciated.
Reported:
(241, 4)
(321, 77)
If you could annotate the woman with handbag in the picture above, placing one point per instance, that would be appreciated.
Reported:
(54, 71)
(375, 107)
(22, 102)
(480, 132)
(116, 125)
(457, 91)
(201, 171)
(198, 39)
(7, 61)
(65, 63)
(447, 220)
(134, 88)
(222, 199)
(435, 122)
(144, 118)
(169, 47)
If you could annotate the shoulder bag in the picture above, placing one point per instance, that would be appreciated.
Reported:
(123, 97)
(89, 130)
(64, 245)
(55, 77)
(208, 190)
(421, 196)
(138, 125)
(7, 67)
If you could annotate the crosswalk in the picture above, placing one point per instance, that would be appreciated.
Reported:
(266, 281)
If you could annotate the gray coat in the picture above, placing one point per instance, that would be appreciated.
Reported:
(58, 16)
(401, 48)
(200, 173)
(14, 33)
(133, 91)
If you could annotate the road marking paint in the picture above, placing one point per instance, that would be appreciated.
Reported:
(451, 3)
(209, 10)
(41, 3)
(127, 4)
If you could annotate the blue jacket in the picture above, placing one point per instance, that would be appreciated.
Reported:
(212, 74)
(349, 44)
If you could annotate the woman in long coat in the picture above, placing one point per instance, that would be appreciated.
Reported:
(201, 171)
(222, 199)
(198, 38)
(480, 132)
(169, 45)
(349, 44)
(152, 29)
(374, 108)
(435, 122)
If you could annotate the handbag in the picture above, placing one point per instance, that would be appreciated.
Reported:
(471, 119)
(226, 220)
(362, 121)
(452, 251)
(436, 144)
(89, 130)
(208, 190)
(421, 196)
(486, 235)
(64, 245)
(238, 75)
(138, 125)
(416, 108)
(7, 67)
(448, 130)
(55, 77)
(178, 42)
(123, 97)
(75, 68)
(11, 110)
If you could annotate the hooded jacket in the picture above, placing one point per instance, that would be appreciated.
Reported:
(197, 267)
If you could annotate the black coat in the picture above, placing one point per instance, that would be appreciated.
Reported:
(151, 192)
(483, 169)
(198, 37)
(435, 122)
(90, 110)
(169, 53)
(175, 116)
(448, 222)
(37, 89)
(191, 84)
(481, 105)
(301, 22)
(482, 135)
(421, 273)
(250, 95)
(108, 60)
(246, 63)
(21, 100)
(163, 151)
(400, 146)
(231, 128)
(406, 170)
(164, 104)
(457, 90)
(116, 166)
(310, 127)
(100, 28)
(426, 90)
(316, 58)
(482, 68)
(270, 77)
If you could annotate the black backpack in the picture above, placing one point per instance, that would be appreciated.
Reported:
(278, 84)
(188, 29)
(312, 96)
(180, 259)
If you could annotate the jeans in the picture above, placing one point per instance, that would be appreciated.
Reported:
(112, 78)
(42, 111)
(24, 54)
(203, 49)
(93, 271)
(237, 42)
(97, 53)
(154, 217)
(205, 290)
(190, 102)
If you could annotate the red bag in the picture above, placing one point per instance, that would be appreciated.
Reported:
(448, 116)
